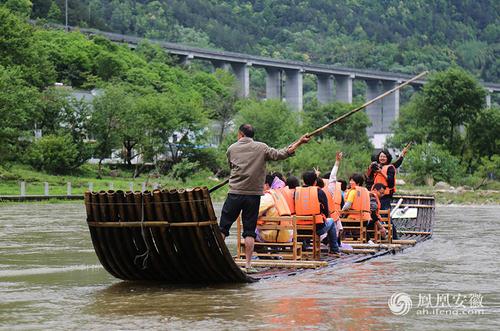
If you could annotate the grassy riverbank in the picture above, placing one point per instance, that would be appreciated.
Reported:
(10, 179)
(116, 179)
(476, 197)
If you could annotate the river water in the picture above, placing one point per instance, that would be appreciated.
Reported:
(50, 278)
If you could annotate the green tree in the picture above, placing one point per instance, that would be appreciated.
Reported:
(20, 47)
(431, 162)
(121, 16)
(20, 7)
(173, 122)
(410, 126)
(18, 103)
(450, 99)
(483, 133)
(489, 169)
(351, 130)
(54, 154)
(105, 121)
(220, 95)
(54, 13)
(109, 66)
(275, 124)
(49, 111)
(153, 53)
(320, 154)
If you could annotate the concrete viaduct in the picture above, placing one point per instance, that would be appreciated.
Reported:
(333, 83)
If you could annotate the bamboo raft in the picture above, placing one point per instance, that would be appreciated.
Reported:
(172, 236)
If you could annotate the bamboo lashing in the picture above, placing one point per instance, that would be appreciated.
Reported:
(132, 224)
(338, 119)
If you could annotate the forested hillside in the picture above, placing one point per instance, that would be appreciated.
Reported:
(394, 35)
(147, 106)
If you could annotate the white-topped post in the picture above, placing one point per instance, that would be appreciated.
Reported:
(23, 188)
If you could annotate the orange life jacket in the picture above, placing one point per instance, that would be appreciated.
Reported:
(281, 207)
(288, 194)
(381, 177)
(361, 206)
(307, 204)
(334, 200)
(280, 203)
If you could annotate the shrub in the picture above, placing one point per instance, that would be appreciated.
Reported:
(185, 169)
(433, 161)
(489, 170)
(54, 154)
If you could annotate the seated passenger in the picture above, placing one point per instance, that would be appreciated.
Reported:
(376, 193)
(333, 190)
(273, 203)
(357, 203)
(288, 192)
(311, 200)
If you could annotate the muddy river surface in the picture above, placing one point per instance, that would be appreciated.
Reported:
(50, 278)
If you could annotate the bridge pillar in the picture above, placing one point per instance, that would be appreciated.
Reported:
(185, 60)
(273, 83)
(343, 88)
(488, 98)
(221, 65)
(325, 88)
(374, 111)
(294, 89)
(390, 105)
(242, 73)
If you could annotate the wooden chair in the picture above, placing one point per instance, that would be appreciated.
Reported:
(288, 250)
(308, 232)
(354, 229)
(385, 219)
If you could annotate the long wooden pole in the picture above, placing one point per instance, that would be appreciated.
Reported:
(218, 186)
(318, 130)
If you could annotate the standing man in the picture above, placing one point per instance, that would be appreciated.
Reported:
(247, 161)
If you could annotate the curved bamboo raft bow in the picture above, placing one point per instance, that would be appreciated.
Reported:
(173, 236)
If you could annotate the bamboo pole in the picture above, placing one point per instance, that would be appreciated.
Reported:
(284, 264)
(376, 246)
(338, 119)
(318, 130)
(358, 251)
(218, 186)
(405, 242)
(415, 232)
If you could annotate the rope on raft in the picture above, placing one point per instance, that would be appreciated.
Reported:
(144, 256)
